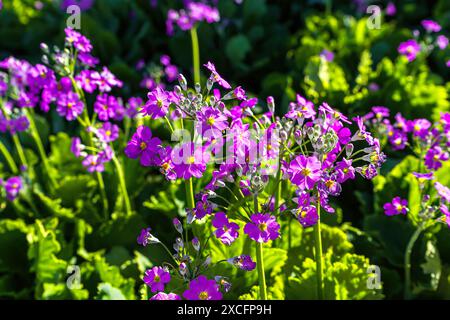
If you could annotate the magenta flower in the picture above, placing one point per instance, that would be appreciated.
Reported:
(190, 160)
(93, 163)
(431, 26)
(305, 171)
(156, 278)
(145, 237)
(215, 76)
(327, 55)
(423, 176)
(243, 262)
(87, 80)
(12, 187)
(391, 10)
(157, 105)
(226, 231)
(69, 106)
(76, 147)
(262, 228)
(307, 216)
(442, 42)
(434, 158)
(144, 146)
(211, 119)
(203, 289)
(397, 206)
(165, 296)
(80, 42)
(443, 191)
(398, 139)
(419, 127)
(105, 106)
(409, 49)
(108, 132)
(107, 81)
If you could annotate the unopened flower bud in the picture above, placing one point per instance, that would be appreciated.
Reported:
(177, 225)
(196, 244)
(349, 149)
(271, 104)
(182, 81)
(198, 88)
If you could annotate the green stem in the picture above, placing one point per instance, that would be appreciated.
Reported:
(278, 190)
(260, 260)
(8, 158)
(123, 185)
(40, 146)
(318, 254)
(190, 193)
(195, 54)
(87, 122)
(409, 247)
(16, 141)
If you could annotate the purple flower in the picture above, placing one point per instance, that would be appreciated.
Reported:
(165, 296)
(391, 10)
(443, 191)
(69, 106)
(215, 76)
(87, 59)
(156, 278)
(12, 187)
(107, 81)
(203, 289)
(190, 160)
(397, 206)
(108, 132)
(262, 228)
(76, 147)
(423, 176)
(87, 80)
(143, 145)
(80, 42)
(145, 237)
(431, 26)
(307, 216)
(305, 171)
(83, 4)
(157, 105)
(226, 231)
(344, 170)
(434, 158)
(211, 119)
(327, 55)
(419, 127)
(243, 262)
(93, 163)
(409, 49)
(105, 106)
(442, 42)
(398, 139)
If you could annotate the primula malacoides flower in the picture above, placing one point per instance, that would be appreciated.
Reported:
(12, 187)
(243, 262)
(203, 289)
(156, 278)
(305, 171)
(409, 49)
(144, 146)
(226, 231)
(262, 228)
(397, 206)
(165, 296)
(157, 105)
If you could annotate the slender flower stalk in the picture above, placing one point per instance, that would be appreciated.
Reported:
(16, 141)
(260, 260)
(9, 159)
(123, 185)
(408, 252)
(318, 254)
(195, 54)
(40, 146)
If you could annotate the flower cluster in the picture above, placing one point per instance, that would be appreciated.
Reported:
(313, 149)
(413, 47)
(155, 75)
(193, 13)
(190, 266)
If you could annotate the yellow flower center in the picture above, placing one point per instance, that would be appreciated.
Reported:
(108, 133)
(165, 166)
(159, 102)
(70, 105)
(203, 295)
(15, 186)
(211, 121)
(329, 184)
(156, 279)
(345, 170)
(262, 226)
(306, 172)
(191, 160)
(143, 145)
